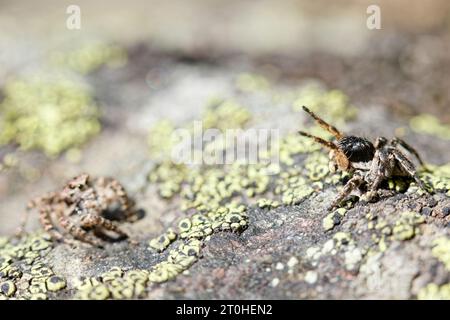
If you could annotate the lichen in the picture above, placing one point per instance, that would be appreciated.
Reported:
(52, 116)
(24, 273)
(406, 227)
(115, 283)
(248, 82)
(434, 292)
(332, 105)
(431, 125)
(438, 178)
(441, 251)
(90, 56)
(333, 219)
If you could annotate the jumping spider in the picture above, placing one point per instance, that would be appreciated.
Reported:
(370, 163)
(82, 206)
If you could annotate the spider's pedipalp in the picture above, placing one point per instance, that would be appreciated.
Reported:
(339, 157)
(335, 132)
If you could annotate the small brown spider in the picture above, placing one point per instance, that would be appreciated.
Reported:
(82, 206)
(370, 163)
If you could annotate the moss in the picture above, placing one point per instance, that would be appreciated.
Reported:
(434, 292)
(52, 116)
(441, 251)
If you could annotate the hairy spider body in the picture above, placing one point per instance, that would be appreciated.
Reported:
(80, 208)
(370, 163)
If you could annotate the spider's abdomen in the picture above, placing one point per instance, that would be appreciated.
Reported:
(357, 149)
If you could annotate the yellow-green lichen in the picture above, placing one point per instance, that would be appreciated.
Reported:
(52, 116)
(333, 219)
(332, 105)
(7, 288)
(441, 250)
(115, 284)
(218, 196)
(438, 178)
(434, 292)
(163, 241)
(22, 262)
(89, 57)
(406, 227)
(161, 139)
(431, 125)
(248, 82)
(226, 114)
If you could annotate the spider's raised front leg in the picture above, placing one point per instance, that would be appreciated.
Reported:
(353, 183)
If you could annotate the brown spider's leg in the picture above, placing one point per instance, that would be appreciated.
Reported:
(125, 203)
(48, 225)
(382, 163)
(323, 142)
(32, 204)
(78, 233)
(408, 167)
(91, 220)
(335, 132)
(395, 141)
(24, 219)
(352, 184)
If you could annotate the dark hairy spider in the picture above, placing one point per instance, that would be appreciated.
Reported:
(370, 163)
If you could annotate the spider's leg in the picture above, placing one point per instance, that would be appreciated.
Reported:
(335, 132)
(78, 233)
(397, 141)
(32, 204)
(118, 194)
(408, 167)
(352, 184)
(383, 165)
(321, 141)
(91, 220)
(48, 224)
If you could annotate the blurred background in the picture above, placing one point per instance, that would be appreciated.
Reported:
(101, 88)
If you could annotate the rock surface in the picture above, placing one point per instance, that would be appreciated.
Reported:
(286, 245)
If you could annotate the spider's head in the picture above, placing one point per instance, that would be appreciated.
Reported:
(347, 149)
(74, 186)
(380, 142)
